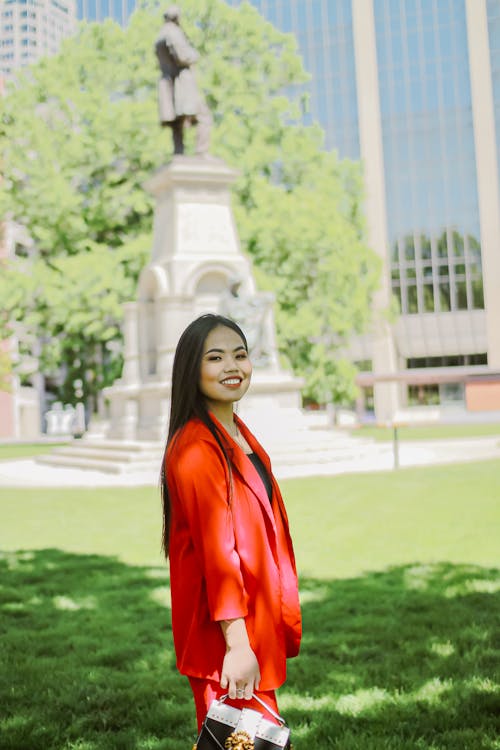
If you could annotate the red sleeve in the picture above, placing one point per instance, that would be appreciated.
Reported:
(201, 482)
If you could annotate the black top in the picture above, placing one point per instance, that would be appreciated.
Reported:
(261, 470)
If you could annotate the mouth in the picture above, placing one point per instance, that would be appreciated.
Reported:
(231, 382)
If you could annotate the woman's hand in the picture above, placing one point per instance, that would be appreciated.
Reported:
(240, 669)
(240, 672)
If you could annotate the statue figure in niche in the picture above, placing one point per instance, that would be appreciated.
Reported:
(253, 313)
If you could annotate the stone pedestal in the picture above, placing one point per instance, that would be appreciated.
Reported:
(195, 253)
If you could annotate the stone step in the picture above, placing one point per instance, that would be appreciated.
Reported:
(309, 452)
(83, 462)
(298, 447)
(105, 453)
(313, 445)
(139, 446)
(110, 456)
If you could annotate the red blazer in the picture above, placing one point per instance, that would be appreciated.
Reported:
(229, 558)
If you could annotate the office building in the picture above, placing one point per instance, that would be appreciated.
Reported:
(30, 29)
(412, 88)
(98, 10)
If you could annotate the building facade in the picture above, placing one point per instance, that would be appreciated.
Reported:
(412, 88)
(30, 29)
(98, 10)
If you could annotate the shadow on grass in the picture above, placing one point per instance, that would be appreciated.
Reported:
(405, 658)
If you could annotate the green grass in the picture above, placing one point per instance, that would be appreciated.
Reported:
(401, 602)
(428, 432)
(25, 450)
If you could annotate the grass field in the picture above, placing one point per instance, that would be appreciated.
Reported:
(25, 450)
(401, 602)
(428, 432)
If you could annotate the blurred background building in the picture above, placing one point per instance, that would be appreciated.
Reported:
(98, 10)
(412, 88)
(32, 28)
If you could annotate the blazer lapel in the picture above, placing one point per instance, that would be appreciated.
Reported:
(249, 473)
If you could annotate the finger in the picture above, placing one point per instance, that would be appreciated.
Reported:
(257, 681)
(223, 681)
(232, 689)
(248, 692)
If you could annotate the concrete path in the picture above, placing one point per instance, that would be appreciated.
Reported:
(376, 457)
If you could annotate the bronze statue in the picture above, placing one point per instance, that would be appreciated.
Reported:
(180, 101)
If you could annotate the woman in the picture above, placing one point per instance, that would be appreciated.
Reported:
(235, 609)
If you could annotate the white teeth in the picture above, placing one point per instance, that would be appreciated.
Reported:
(232, 381)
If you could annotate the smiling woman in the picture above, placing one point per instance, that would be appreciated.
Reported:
(235, 608)
(225, 373)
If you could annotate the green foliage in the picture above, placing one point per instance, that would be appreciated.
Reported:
(80, 137)
(309, 243)
(76, 299)
(5, 370)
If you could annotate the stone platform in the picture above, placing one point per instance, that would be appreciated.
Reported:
(289, 443)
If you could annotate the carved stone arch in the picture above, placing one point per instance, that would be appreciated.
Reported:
(208, 278)
(153, 285)
(206, 284)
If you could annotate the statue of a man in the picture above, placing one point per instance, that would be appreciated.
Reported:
(254, 314)
(180, 101)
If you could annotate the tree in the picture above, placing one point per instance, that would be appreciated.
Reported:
(5, 370)
(74, 177)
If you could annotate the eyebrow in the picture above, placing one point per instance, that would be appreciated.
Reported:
(221, 351)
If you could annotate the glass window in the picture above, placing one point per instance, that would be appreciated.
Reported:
(425, 248)
(396, 290)
(461, 295)
(442, 248)
(428, 298)
(458, 245)
(477, 294)
(423, 395)
(395, 276)
(412, 299)
(409, 248)
(477, 359)
(444, 297)
(431, 114)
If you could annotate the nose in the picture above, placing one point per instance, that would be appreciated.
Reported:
(231, 365)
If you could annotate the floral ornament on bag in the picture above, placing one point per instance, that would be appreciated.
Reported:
(239, 741)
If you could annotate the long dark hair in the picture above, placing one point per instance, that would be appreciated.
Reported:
(186, 400)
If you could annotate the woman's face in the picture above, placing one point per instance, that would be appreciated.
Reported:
(225, 368)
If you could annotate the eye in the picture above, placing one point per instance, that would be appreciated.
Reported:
(214, 358)
(242, 355)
